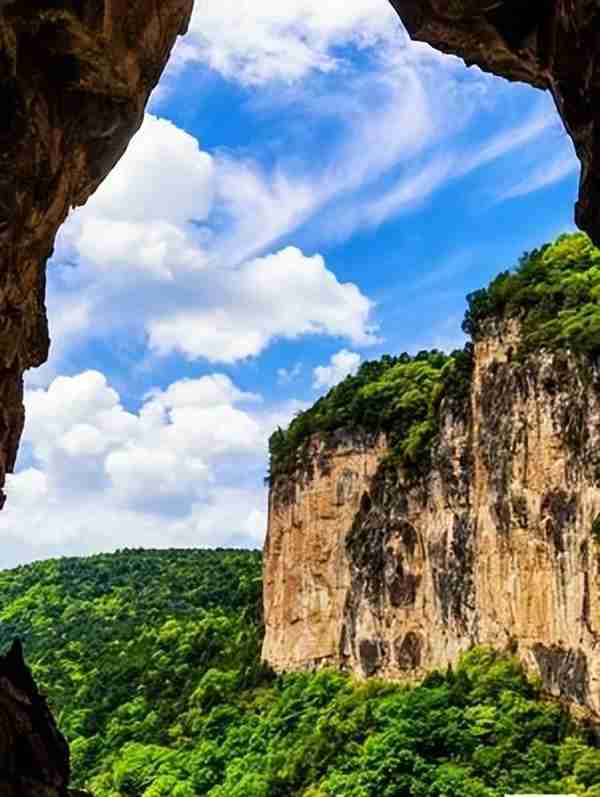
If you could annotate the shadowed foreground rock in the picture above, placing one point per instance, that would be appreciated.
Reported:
(34, 757)
(551, 44)
(75, 77)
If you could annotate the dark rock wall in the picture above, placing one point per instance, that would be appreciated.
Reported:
(75, 77)
(34, 757)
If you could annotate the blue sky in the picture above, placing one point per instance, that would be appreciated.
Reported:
(308, 190)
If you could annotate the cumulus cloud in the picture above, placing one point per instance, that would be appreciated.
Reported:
(185, 469)
(282, 295)
(152, 262)
(256, 41)
(79, 423)
(140, 220)
(340, 366)
(187, 252)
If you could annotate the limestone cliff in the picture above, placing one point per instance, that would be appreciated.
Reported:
(74, 80)
(551, 44)
(34, 758)
(379, 570)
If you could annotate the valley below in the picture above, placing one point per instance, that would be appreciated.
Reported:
(151, 664)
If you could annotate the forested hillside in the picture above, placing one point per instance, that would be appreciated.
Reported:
(151, 663)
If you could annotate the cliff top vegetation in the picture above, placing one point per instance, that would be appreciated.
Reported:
(151, 661)
(394, 395)
(554, 294)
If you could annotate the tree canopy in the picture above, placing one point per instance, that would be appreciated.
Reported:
(398, 396)
(151, 661)
(554, 294)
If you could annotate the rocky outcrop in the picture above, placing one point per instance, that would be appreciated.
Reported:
(75, 77)
(306, 574)
(34, 758)
(383, 571)
(551, 44)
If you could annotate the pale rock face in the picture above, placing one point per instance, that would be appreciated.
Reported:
(306, 575)
(494, 546)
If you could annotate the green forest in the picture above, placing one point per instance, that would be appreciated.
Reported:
(554, 296)
(151, 662)
(151, 659)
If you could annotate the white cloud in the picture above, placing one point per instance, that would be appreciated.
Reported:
(418, 184)
(210, 391)
(408, 192)
(255, 41)
(71, 321)
(152, 264)
(340, 366)
(139, 222)
(286, 376)
(282, 295)
(154, 161)
(558, 168)
(543, 119)
(172, 247)
(181, 251)
(185, 469)
(175, 436)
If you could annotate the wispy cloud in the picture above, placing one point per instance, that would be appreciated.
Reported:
(543, 119)
(285, 376)
(542, 176)
(411, 190)
(439, 168)
(254, 42)
(172, 222)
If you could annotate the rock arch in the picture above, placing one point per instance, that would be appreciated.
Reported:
(75, 76)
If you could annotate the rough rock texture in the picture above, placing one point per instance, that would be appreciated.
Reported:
(75, 77)
(306, 574)
(383, 572)
(551, 44)
(34, 758)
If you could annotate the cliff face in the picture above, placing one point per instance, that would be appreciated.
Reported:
(34, 758)
(74, 80)
(306, 572)
(379, 571)
(551, 44)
